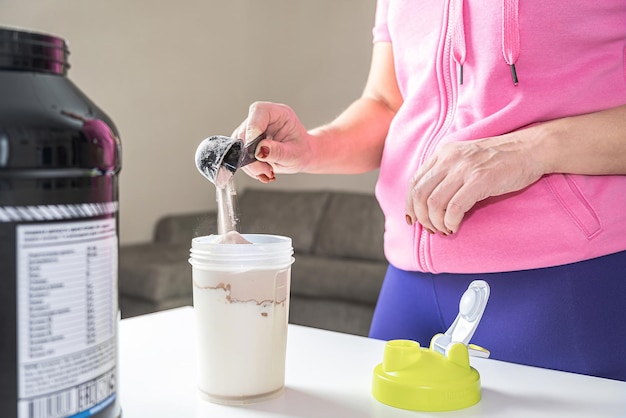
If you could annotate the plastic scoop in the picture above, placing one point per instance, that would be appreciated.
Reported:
(219, 157)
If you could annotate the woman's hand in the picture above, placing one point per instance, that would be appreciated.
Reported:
(351, 143)
(286, 148)
(460, 174)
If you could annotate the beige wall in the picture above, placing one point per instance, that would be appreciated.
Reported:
(172, 73)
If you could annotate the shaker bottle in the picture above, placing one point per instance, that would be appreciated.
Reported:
(241, 303)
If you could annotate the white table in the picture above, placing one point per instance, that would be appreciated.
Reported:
(329, 375)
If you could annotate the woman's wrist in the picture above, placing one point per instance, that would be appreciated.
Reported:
(588, 144)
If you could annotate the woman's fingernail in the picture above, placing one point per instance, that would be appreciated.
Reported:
(263, 178)
(263, 152)
(409, 220)
(430, 231)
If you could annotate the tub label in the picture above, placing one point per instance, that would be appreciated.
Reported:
(67, 318)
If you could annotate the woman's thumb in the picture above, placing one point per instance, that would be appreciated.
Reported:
(252, 133)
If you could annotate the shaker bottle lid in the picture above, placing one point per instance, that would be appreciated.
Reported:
(438, 378)
(31, 51)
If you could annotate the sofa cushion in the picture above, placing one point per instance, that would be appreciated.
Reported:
(340, 316)
(155, 272)
(352, 226)
(288, 213)
(337, 279)
(132, 306)
(180, 229)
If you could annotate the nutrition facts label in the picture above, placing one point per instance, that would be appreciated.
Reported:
(67, 318)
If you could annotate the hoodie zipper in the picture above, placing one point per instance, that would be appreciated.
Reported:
(447, 95)
(452, 56)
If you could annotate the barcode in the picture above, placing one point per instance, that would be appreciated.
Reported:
(71, 401)
(59, 405)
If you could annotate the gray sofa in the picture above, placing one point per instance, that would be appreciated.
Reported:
(338, 249)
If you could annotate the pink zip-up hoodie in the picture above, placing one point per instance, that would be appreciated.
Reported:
(478, 68)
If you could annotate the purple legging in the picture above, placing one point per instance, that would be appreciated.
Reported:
(570, 318)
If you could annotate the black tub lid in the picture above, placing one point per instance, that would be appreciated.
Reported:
(22, 50)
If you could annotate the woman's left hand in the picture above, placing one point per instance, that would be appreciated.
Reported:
(459, 174)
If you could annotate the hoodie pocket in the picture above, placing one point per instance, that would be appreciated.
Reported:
(569, 195)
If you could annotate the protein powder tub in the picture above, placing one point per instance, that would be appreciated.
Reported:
(59, 165)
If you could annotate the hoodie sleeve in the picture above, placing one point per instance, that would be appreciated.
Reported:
(381, 30)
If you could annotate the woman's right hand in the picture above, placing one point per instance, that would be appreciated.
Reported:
(287, 147)
(352, 143)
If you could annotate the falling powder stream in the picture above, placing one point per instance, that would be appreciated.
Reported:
(227, 214)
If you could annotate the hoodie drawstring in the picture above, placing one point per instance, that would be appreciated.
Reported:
(510, 35)
(458, 35)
